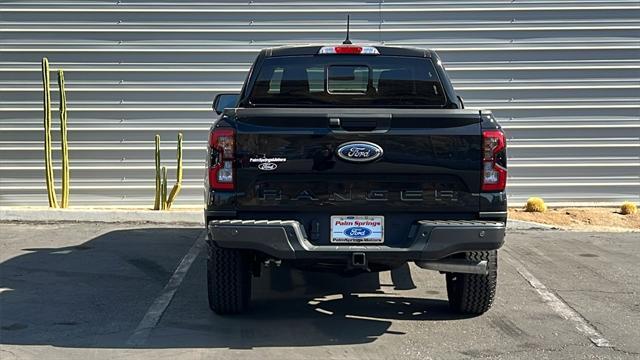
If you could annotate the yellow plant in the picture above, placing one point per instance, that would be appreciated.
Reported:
(628, 208)
(48, 161)
(157, 204)
(64, 141)
(164, 199)
(178, 186)
(535, 204)
(163, 193)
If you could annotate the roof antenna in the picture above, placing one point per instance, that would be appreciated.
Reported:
(347, 41)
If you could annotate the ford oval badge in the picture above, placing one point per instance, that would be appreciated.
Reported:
(267, 166)
(357, 232)
(359, 151)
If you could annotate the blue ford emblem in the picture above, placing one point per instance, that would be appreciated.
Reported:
(357, 232)
(359, 151)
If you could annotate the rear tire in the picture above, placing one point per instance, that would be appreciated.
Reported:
(228, 280)
(473, 293)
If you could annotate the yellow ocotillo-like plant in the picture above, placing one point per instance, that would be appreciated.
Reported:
(63, 141)
(178, 186)
(157, 205)
(48, 161)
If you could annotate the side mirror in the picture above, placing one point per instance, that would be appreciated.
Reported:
(461, 102)
(223, 101)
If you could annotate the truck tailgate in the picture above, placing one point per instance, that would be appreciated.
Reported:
(289, 160)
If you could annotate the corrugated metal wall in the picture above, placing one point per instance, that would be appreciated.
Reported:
(562, 76)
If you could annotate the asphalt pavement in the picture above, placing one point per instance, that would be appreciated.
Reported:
(101, 291)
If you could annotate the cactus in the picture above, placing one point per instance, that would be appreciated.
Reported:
(164, 188)
(48, 162)
(535, 204)
(63, 141)
(158, 201)
(178, 186)
(628, 208)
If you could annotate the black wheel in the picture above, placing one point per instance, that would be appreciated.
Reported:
(228, 280)
(472, 293)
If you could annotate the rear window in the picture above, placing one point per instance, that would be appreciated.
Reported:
(345, 80)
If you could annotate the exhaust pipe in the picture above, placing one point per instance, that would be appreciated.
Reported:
(456, 266)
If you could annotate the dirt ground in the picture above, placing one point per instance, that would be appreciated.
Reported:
(587, 219)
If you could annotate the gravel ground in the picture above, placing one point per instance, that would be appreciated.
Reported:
(582, 219)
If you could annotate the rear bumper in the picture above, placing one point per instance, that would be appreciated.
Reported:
(287, 240)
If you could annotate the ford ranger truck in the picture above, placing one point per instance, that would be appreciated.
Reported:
(350, 159)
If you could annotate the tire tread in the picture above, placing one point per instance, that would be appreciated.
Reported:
(228, 280)
(474, 293)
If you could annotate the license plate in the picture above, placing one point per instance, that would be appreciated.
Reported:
(357, 229)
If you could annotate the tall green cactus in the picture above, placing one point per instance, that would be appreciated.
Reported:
(63, 140)
(157, 205)
(178, 186)
(164, 188)
(48, 161)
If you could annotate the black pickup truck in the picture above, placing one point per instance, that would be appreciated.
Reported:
(353, 158)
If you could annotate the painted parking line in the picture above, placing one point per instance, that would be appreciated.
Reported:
(557, 304)
(159, 306)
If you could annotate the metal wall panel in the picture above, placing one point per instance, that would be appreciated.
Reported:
(563, 77)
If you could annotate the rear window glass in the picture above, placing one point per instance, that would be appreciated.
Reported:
(345, 80)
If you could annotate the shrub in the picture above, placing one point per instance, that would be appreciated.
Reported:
(535, 204)
(628, 208)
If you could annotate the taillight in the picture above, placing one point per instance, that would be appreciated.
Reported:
(349, 50)
(494, 171)
(222, 144)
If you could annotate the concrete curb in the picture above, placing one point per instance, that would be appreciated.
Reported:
(102, 215)
(529, 225)
(178, 216)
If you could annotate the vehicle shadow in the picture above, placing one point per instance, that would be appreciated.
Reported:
(93, 295)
